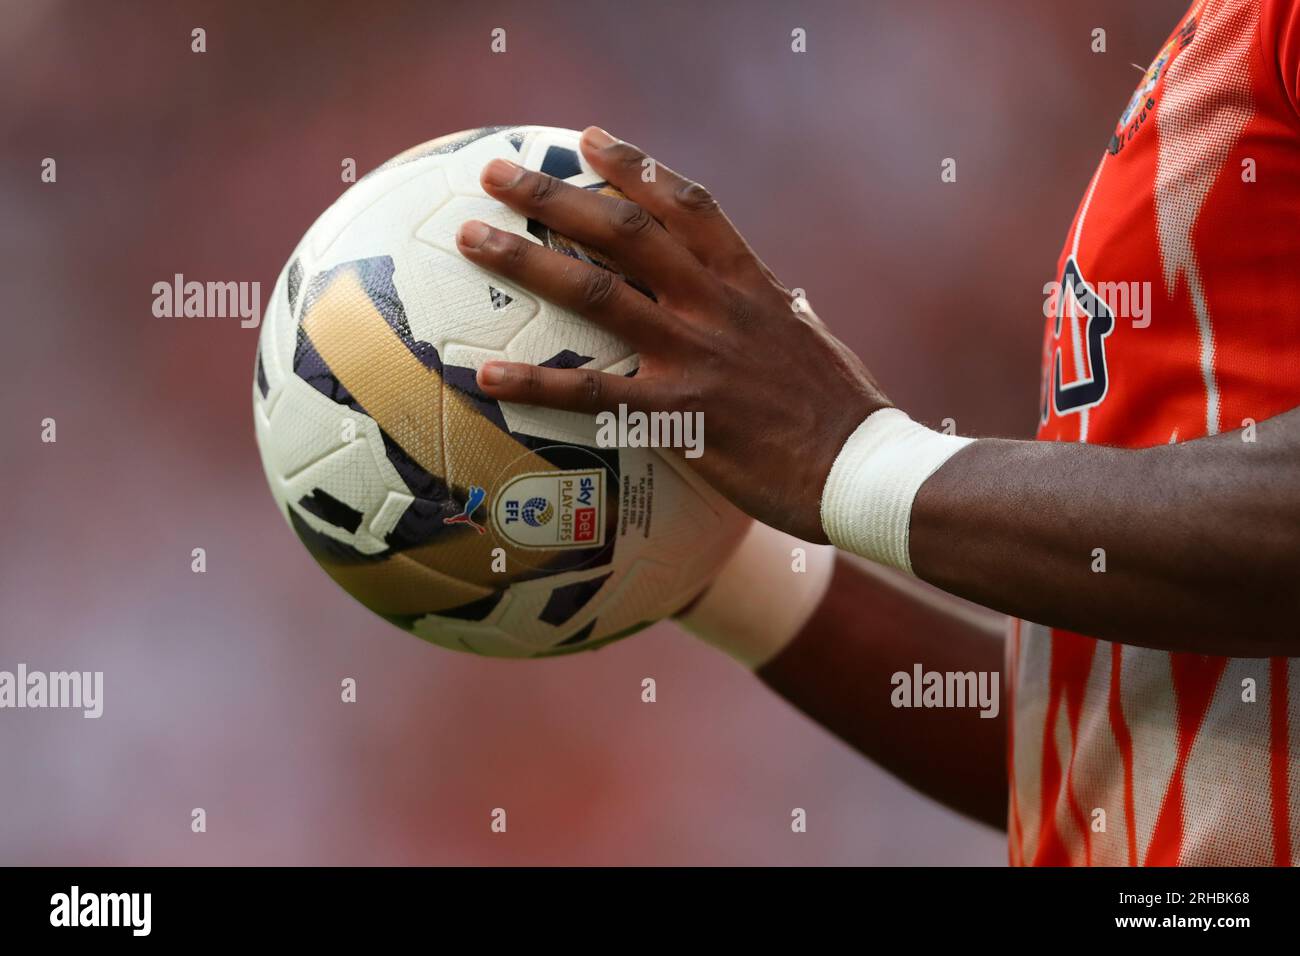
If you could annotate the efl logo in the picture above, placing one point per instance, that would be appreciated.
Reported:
(552, 510)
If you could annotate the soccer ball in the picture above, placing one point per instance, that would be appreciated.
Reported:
(480, 526)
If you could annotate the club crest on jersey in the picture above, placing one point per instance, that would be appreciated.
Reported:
(1143, 102)
(1077, 298)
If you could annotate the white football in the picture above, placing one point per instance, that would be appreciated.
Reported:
(481, 526)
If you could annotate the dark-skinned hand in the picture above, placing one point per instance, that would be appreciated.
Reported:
(779, 394)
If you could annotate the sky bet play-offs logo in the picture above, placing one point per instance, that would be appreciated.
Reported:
(552, 509)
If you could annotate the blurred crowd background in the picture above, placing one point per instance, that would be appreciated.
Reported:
(222, 689)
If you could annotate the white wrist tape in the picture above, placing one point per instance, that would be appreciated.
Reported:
(758, 603)
(867, 502)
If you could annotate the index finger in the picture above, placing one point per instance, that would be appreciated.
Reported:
(591, 291)
(687, 210)
(574, 390)
(616, 226)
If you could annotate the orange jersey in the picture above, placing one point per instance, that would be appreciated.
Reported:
(1176, 315)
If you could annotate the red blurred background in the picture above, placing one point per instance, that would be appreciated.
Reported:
(222, 689)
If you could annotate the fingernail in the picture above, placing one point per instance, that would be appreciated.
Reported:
(473, 234)
(502, 172)
(491, 374)
(597, 138)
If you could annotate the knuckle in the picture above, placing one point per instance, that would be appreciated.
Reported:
(597, 287)
(542, 188)
(630, 219)
(514, 252)
(688, 396)
(627, 155)
(532, 381)
(590, 387)
(741, 311)
(694, 198)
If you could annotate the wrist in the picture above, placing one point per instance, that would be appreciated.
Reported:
(866, 504)
(763, 596)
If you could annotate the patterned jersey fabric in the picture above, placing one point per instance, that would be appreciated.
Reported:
(1178, 317)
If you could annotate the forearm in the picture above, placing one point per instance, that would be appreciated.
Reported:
(871, 625)
(1189, 547)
